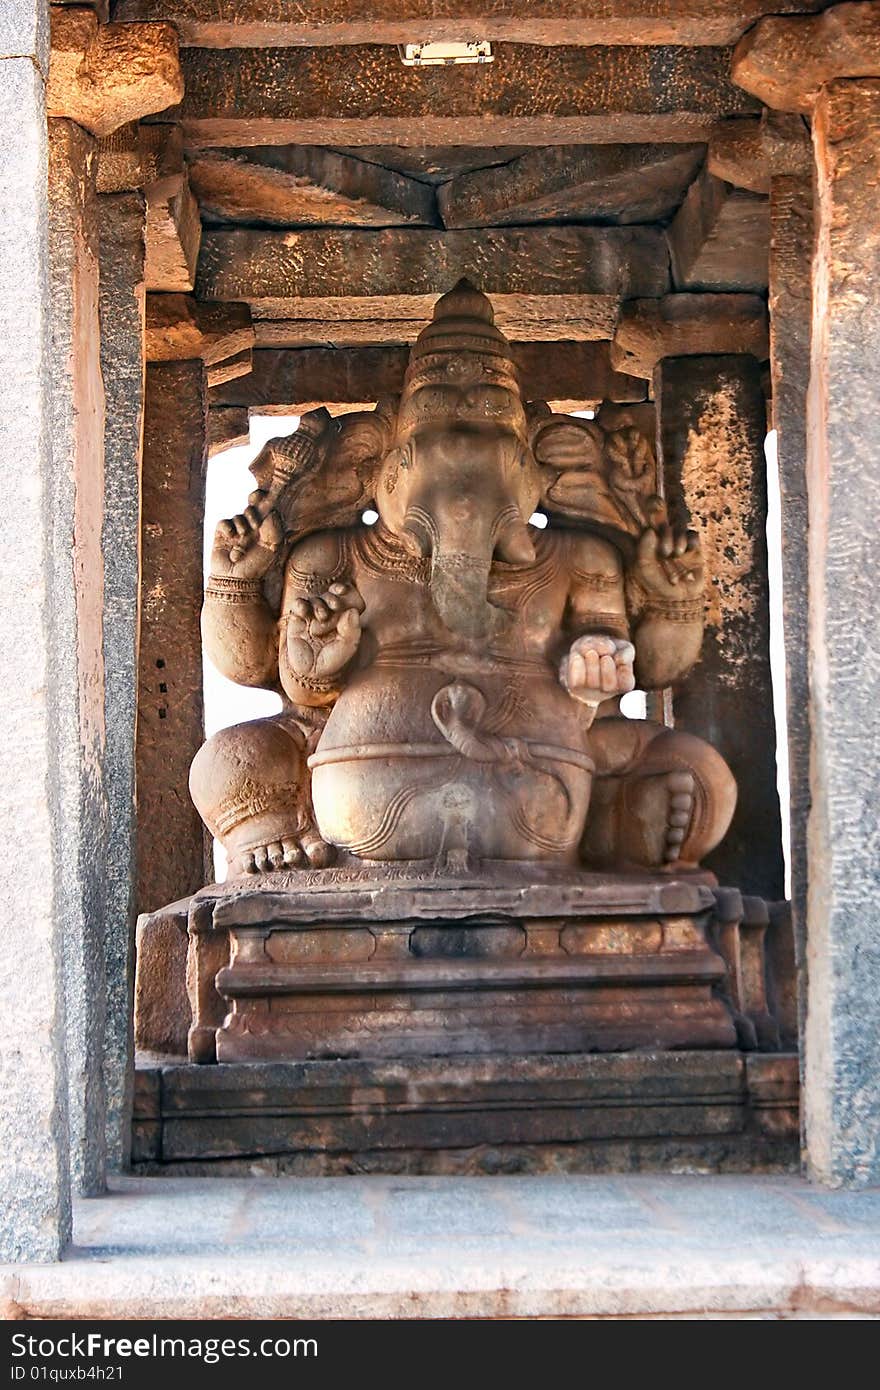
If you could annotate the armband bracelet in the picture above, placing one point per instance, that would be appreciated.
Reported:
(230, 590)
(322, 685)
(689, 610)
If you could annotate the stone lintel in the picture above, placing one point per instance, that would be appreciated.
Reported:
(623, 183)
(786, 61)
(253, 23)
(231, 368)
(527, 95)
(307, 185)
(719, 238)
(294, 274)
(179, 327)
(688, 325)
(574, 376)
(104, 75)
(748, 151)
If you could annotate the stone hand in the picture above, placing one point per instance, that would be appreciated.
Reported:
(668, 563)
(597, 668)
(323, 633)
(245, 546)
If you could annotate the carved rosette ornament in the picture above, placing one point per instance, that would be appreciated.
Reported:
(451, 676)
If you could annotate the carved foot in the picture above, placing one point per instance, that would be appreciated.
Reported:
(305, 849)
(680, 788)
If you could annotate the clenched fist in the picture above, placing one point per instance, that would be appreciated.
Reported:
(597, 668)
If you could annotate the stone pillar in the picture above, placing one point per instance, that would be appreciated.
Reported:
(791, 246)
(121, 219)
(34, 1176)
(842, 1097)
(171, 841)
(711, 431)
(76, 623)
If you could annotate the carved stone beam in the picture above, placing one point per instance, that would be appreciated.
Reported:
(174, 227)
(228, 426)
(786, 61)
(150, 157)
(241, 23)
(102, 75)
(688, 325)
(528, 95)
(749, 152)
(720, 237)
(179, 329)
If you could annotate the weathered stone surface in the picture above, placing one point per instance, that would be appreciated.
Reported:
(120, 169)
(684, 325)
(34, 1172)
(565, 966)
(843, 1023)
(161, 1008)
(103, 75)
(240, 23)
(228, 426)
(178, 328)
(528, 95)
(786, 61)
(791, 249)
(301, 185)
(619, 183)
(24, 32)
(572, 375)
(174, 229)
(711, 429)
(400, 273)
(534, 1107)
(435, 164)
(671, 1244)
(719, 238)
(121, 224)
(572, 318)
(77, 508)
(749, 150)
(171, 848)
(241, 364)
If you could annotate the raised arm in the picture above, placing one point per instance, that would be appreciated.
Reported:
(239, 629)
(666, 584)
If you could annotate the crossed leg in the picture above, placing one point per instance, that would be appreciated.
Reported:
(250, 785)
(662, 798)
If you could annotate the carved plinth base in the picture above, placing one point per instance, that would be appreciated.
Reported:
(330, 966)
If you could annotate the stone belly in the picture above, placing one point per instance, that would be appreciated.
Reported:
(415, 765)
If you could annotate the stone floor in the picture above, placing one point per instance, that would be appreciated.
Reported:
(646, 1245)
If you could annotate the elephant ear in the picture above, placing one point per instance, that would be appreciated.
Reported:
(324, 475)
(599, 476)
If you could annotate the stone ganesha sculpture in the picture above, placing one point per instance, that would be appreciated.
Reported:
(451, 675)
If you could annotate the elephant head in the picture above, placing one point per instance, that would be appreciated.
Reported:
(460, 481)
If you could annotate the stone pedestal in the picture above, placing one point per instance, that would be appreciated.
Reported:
(711, 430)
(373, 968)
